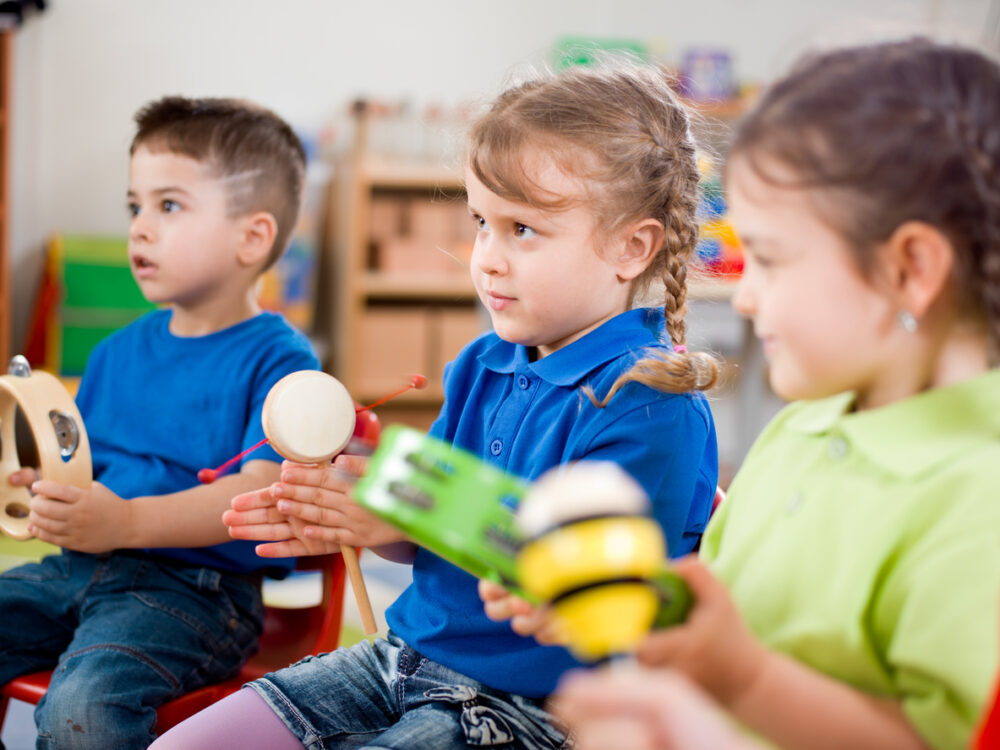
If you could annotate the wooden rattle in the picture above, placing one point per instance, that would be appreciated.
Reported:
(309, 417)
(61, 440)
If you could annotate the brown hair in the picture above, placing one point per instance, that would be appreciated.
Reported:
(619, 128)
(239, 140)
(889, 133)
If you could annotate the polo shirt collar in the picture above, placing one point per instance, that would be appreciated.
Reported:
(915, 434)
(634, 330)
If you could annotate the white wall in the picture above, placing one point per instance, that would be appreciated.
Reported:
(83, 67)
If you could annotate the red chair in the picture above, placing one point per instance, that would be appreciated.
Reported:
(289, 634)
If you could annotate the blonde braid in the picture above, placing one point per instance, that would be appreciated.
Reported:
(681, 370)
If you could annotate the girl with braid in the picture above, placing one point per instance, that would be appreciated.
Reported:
(583, 189)
(847, 589)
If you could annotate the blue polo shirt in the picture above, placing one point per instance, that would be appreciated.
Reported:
(526, 417)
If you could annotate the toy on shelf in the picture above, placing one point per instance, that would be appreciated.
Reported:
(579, 538)
(719, 248)
(309, 417)
(58, 431)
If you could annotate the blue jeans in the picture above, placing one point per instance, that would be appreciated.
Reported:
(386, 695)
(124, 633)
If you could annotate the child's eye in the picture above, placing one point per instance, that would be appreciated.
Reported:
(480, 223)
(170, 206)
(133, 209)
(524, 231)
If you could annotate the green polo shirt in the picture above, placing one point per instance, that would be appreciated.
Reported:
(867, 546)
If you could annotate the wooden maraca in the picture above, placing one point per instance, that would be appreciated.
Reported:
(60, 438)
(309, 417)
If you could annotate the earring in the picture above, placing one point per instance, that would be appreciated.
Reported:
(907, 322)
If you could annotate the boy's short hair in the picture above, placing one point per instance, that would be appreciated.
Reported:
(247, 145)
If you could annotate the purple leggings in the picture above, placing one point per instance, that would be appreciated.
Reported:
(237, 722)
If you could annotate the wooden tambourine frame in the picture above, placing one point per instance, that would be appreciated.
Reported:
(60, 438)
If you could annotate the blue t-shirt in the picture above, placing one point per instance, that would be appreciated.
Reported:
(526, 417)
(158, 407)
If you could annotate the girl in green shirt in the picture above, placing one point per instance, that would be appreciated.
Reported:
(847, 589)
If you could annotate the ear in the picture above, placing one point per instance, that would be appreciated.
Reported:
(919, 259)
(258, 232)
(641, 242)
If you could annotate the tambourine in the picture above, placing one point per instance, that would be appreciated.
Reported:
(60, 438)
(447, 500)
(579, 539)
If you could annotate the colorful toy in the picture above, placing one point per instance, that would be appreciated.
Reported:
(598, 558)
(578, 539)
(60, 438)
(447, 500)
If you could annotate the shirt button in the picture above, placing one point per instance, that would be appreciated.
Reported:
(793, 502)
(496, 446)
(523, 382)
(837, 449)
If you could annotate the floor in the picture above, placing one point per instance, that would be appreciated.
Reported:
(384, 580)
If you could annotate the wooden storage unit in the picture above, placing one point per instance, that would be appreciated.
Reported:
(401, 240)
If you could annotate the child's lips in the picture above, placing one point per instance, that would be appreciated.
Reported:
(142, 267)
(498, 301)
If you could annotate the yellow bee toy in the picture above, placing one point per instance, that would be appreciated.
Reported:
(598, 558)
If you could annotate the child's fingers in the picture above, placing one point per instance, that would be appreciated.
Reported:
(490, 591)
(661, 647)
(22, 477)
(326, 497)
(66, 493)
(251, 517)
(311, 513)
(254, 499)
(285, 548)
(311, 474)
(698, 577)
(352, 465)
(262, 532)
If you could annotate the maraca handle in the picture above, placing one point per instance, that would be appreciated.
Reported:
(675, 599)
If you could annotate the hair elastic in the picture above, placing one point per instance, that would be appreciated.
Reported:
(680, 349)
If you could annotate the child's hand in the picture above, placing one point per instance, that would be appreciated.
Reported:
(312, 505)
(525, 618)
(93, 520)
(23, 477)
(713, 647)
(642, 709)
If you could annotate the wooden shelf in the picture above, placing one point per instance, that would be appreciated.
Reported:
(402, 307)
(376, 172)
(378, 285)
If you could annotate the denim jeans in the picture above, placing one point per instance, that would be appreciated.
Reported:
(124, 634)
(386, 695)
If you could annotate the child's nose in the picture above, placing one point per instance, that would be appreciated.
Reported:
(140, 230)
(487, 255)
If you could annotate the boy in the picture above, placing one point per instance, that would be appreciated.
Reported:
(150, 598)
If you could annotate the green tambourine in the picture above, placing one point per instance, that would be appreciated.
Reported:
(447, 500)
